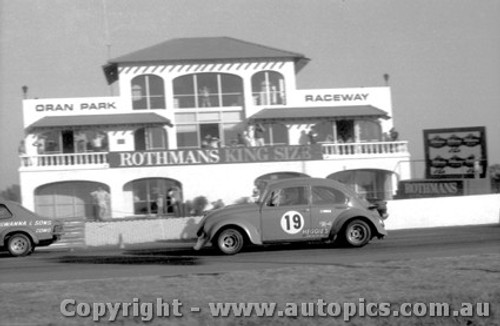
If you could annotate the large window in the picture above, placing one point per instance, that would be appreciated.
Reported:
(207, 129)
(208, 90)
(150, 195)
(148, 92)
(150, 139)
(268, 88)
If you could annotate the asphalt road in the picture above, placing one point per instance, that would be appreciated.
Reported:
(173, 259)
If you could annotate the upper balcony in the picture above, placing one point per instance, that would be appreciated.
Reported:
(329, 151)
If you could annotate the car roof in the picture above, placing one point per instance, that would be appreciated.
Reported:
(300, 181)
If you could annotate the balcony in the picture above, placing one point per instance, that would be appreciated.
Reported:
(99, 160)
(56, 161)
(370, 149)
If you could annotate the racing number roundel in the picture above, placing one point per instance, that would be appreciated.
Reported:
(292, 222)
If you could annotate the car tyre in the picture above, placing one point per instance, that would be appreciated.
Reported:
(19, 245)
(357, 233)
(230, 241)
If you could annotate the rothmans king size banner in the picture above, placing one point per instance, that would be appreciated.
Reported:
(226, 155)
(455, 153)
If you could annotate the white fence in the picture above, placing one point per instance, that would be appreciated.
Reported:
(403, 214)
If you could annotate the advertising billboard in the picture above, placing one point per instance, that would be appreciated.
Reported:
(455, 153)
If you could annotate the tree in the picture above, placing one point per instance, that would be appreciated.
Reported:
(12, 193)
(494, 172)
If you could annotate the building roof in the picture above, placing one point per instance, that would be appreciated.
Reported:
(99, 120)
(330, 112)
(202, 49)
(205, 49)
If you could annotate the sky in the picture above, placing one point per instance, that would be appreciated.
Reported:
(442, 56)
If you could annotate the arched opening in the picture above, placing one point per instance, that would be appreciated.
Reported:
(268, 88)
(148, 92)
(69, 199)
(372, 184)
(154, 196)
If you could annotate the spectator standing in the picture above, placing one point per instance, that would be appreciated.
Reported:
(173, 202)
(40, 144)
(248, 135)
(259, 135)
(101, 199)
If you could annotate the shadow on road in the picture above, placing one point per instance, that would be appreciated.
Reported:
(129, 259)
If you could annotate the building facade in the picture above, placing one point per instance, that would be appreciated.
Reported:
(202, 117)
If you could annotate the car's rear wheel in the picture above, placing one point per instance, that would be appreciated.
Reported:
(19, 245)
(230, 241)
(357, 233)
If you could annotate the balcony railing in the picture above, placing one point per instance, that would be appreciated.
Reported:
(99, 159)
(330, 151)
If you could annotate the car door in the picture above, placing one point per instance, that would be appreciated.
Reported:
(327, 203)
(285, 214)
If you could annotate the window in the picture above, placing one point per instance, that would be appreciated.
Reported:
(268, 88)
(327, 195)
(150, 194)
(187, 136)
(150, 138)
(207, 128)
(288, 197)
(4, 212)
(208, 90)
(148, 92)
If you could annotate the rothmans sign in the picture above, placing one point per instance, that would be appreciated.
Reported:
(214, 156)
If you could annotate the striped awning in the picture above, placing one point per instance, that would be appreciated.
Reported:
(82, 121)
(308, 113)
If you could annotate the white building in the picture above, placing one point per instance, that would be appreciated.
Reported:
(180, 122)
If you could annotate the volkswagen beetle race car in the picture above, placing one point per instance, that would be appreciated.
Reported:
(294, 210)
(21, 230)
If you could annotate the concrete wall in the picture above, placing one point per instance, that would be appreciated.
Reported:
(443, 211)
(404, 214)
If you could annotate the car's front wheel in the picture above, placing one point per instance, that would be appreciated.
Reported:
(19, 245)
(230, 241)
(357, 233)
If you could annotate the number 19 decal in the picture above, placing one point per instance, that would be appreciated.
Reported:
(292, 222)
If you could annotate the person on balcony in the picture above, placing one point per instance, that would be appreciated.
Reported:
(259, 134)
(40, 144)
(312, 136)
(98, 142)
(81, 142)
(248, 135)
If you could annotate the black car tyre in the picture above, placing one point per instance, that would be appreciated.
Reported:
(230, 241)
(357, 233)
(19, 245)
